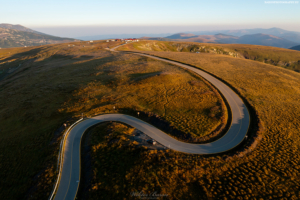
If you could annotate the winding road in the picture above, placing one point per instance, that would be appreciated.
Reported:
(70, 170)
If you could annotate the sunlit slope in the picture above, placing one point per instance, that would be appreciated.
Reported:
(274, 94)
(270, 171)
(48, 86)
(276, 56)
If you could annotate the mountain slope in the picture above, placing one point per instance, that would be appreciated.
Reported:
(266, 40)
(288, 35)
(40, 81)
(272, 92)
(256, 39)
(19, 36)
(296, 48)
(19, 28)
(286, 58)
(184, 37)
(218, 38)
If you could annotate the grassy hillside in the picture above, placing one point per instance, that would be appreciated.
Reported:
(276, 56)
(48, 86)
(17, 38)
(270, 171)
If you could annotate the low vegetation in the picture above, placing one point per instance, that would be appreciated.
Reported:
(271, 170)
(53, 84)
(286, 58)
(56, 83)
(121, 169)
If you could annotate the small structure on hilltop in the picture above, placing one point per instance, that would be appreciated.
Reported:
(131, 40)
(123, 40)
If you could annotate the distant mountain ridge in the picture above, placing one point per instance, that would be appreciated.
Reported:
(20, 36)
(284, 34)
(255, 39)
(286, 39)
(182, 36)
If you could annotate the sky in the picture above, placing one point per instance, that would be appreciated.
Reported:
(74, 18)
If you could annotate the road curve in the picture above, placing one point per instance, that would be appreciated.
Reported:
(70, 173)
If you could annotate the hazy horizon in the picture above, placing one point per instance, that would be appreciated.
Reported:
(77, 18)
(82, 31)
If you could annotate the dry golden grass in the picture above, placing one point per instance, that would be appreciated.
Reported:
(56, 83)
(286, 58)
(62, 82)
(272, 170)
(120, 168)
(142, 84)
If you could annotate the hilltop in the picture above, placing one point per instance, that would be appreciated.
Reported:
(20, 36)
(286, 58)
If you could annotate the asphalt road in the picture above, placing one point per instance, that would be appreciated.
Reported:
(70, 174)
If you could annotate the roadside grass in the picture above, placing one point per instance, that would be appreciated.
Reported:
(113, 154)
(272, 91)
(121, 170)
(272, 169)
(56, 83)
(289, 59)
